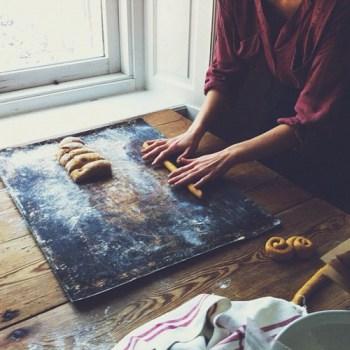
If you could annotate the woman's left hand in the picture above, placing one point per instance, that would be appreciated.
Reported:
(201, 170)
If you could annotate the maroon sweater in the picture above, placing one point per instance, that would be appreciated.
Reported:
(309, 52)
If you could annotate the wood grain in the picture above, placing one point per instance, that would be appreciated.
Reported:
(12, 225)
(5, 200)
(20, 257)
(278, 194)
(27, 291)
(17, 253)
(234, 272)
(167, 116)
(30, 294)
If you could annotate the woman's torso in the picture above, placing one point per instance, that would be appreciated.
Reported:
(288, 47)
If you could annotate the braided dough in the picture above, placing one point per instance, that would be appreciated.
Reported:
(278, 249)
(66, 157)
(82, 164)
(80, 160)
(96, 170)
(67, 147)
(303, 247)
(71, 139)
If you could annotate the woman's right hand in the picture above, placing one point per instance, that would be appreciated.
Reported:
(183, 145)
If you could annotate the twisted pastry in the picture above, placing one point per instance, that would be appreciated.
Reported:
(277, 248)
(303, 247)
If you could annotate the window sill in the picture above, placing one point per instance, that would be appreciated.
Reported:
(28, 100)
(47, 123)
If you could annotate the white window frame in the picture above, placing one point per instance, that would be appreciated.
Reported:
(124, 74)
(79, 69)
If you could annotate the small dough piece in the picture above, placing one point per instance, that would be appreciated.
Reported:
(96, 170)
(80, 160)
(303, 247)
(71, 139)
(72, 145)
(145, 145)
(67, 148)
(66, 157)
(60, 153)
(277, 248)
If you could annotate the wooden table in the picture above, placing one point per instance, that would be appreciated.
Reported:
(35, 314)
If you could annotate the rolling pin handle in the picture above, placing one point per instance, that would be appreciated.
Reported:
(172, 167)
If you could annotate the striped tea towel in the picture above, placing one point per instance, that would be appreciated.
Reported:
(211, 322)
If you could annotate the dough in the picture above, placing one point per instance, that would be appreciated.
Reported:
(95, 170)
(60, 153)
(80, 160)
(145, 145)
(66, 157)
(303, 247)
(70, 139)
(82, 163)
(279, 249)
(72, 145)
(67, 148)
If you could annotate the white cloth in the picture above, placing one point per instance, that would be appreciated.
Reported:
(213, 322)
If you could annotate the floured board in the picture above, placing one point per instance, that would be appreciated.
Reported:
(101, 235)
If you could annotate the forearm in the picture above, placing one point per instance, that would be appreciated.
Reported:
(208, 167)
(211, 107)
(274, 141)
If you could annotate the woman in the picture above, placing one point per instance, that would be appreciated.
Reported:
(288, 61)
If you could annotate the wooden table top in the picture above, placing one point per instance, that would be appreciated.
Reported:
(35, 314)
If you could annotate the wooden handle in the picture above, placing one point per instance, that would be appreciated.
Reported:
(315, 282)
(172, 167)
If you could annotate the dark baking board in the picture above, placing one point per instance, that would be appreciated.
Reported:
(101, 235)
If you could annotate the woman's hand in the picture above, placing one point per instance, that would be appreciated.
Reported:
(206, 168)
(186, 144)
(199, 171)
(183, 145)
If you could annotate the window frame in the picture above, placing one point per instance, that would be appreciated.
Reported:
(124, 74)
(74, 70)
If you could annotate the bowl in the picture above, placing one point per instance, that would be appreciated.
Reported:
(324, 330)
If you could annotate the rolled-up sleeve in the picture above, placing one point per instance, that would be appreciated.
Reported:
(225, 73)
(327, 78)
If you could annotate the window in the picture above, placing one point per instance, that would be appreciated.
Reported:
(50, 47)
(50, 41)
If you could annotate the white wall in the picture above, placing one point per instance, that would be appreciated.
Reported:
(178, 42)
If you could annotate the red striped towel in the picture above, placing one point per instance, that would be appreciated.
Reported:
(215, 323)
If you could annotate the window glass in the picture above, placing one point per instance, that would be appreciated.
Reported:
(36, 33)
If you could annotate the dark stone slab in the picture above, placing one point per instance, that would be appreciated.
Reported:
(101, 235)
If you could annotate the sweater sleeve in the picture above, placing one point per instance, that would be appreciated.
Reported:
(327, 78)
(225, 72)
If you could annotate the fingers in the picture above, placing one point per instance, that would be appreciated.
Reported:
(196, 171)
(151, 145)
(203, 181)
(185, 160)
(150, 142)
(186, 175)
(184, 179)
(198, 178)
(163, 155)
(153, 153)
(182, 156)
(180, 171)
(157, 151)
